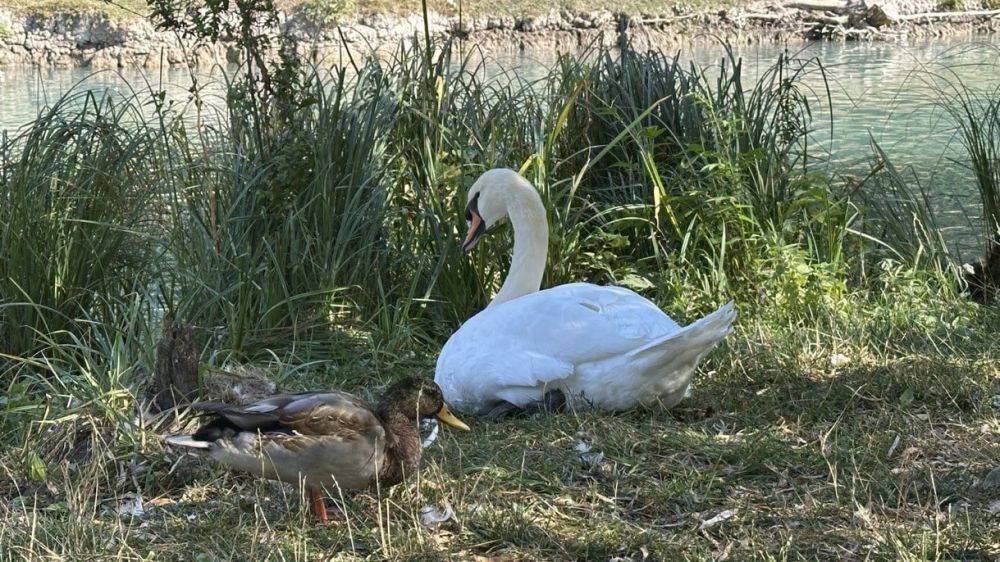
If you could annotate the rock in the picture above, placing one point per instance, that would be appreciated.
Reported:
(131, 506)
(880, 15)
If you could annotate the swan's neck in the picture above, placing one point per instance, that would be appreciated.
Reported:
(531, 243)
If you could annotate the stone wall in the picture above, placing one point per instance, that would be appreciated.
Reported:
(98, 41)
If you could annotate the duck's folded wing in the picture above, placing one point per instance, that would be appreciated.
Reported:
(245, 418)
(333, 413)
(311, 413)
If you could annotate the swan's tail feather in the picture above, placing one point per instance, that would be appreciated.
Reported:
(691, 342)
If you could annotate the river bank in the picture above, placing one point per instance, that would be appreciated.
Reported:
(95, 39)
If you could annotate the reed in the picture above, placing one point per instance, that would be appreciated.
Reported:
(76, 220)
(342, 215)
(346, 206)
(976, 114)
(270, 239)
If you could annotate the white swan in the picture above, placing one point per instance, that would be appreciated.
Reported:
(605, 347)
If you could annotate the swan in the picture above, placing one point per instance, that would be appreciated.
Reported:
(584, 344)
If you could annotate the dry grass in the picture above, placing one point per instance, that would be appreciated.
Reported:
(775, 455)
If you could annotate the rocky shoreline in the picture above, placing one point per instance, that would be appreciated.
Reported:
(95, 40)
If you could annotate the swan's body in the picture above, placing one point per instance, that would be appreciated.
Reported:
(605, 347)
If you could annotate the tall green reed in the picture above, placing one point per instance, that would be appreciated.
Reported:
(345, 210)
(976, 114)
(708, 172)
(453, 124)
(78, 202)
(900, 219)
(269, 242)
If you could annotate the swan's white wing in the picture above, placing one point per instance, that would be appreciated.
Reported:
(510, 351)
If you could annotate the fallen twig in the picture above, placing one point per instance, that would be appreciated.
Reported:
(763, 16)
(949, 15)
(820, 6)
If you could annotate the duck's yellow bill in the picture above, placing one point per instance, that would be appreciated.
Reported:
(449, 418)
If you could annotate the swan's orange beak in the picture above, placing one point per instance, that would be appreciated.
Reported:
(476, 229)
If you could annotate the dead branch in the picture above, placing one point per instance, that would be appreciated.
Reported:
(949, 15)
(836, 6)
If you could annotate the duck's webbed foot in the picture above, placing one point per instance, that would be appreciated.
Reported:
(552, 401)
(319, 508)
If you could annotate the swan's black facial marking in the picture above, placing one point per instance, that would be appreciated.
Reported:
(477, 226)
(472, 207)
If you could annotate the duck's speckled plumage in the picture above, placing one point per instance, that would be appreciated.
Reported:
(324, 440)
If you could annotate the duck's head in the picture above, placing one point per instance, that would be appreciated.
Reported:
(416, 398)
(490, 199)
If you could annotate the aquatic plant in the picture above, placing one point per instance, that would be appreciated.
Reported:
(78, 201)
(344, 210)
(976, 114)
(266, 240)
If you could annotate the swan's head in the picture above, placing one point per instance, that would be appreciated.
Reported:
(488, 201)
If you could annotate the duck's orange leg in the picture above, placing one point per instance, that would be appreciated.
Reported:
(318, 506)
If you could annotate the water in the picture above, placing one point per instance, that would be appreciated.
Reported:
(884, 92)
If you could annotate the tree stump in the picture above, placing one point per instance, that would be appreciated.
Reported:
(983, 277)
(177, 356)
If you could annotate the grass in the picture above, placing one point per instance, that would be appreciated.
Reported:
(978, 118)
(879, 459)
(852, 414)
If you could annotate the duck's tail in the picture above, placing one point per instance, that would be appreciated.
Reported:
(673, 357)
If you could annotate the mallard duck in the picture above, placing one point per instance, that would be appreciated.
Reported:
(595, 346)
(325, 439)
